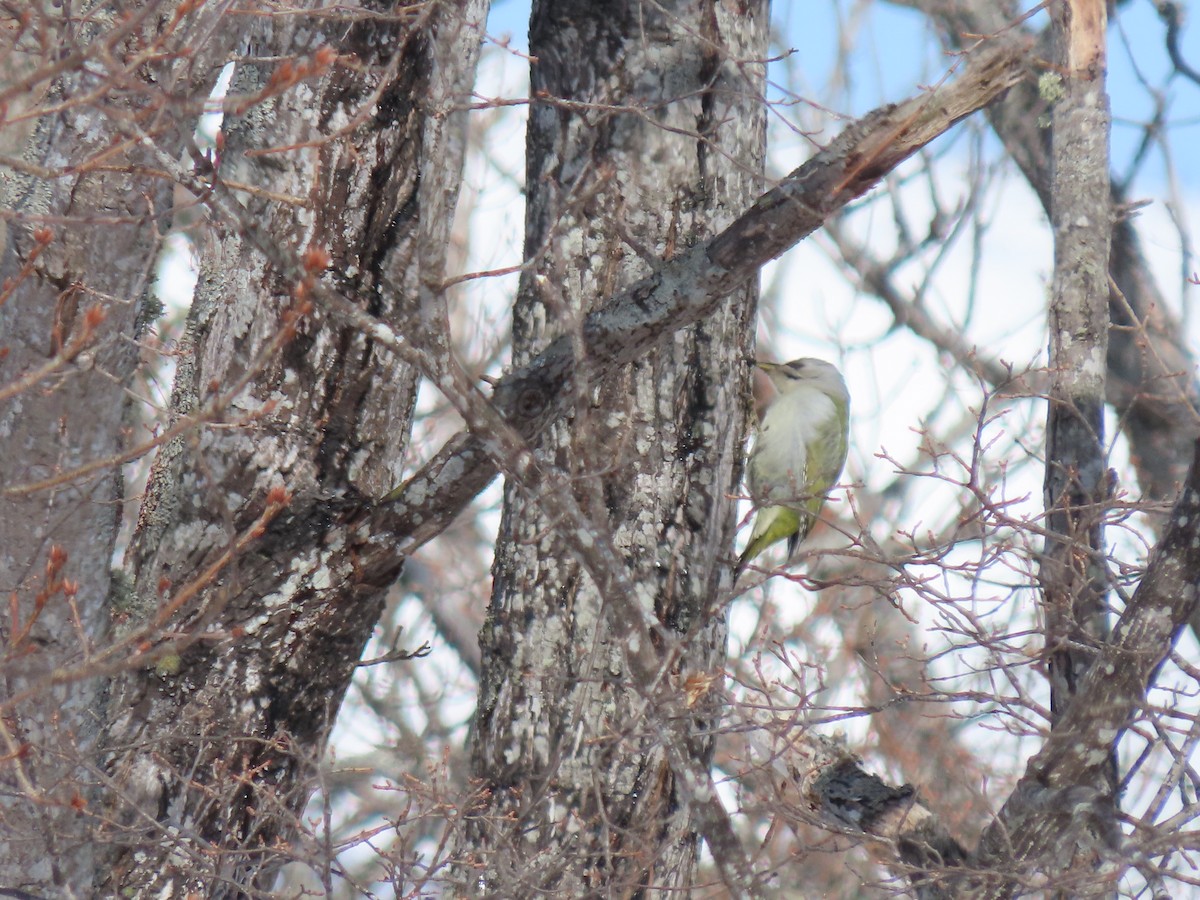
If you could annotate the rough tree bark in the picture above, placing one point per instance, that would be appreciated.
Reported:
(78, 261)
(1073, 567)
(1076, 486)
(290, 570)
(261, 559)
(644, 139)
(243, 611)
(210, 751)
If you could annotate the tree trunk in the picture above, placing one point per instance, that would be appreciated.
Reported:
(1073, 567)
(644, 138)
(77, 269)
(243, 608)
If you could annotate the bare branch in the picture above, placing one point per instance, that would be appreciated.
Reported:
(687, 288)
(1053, 800)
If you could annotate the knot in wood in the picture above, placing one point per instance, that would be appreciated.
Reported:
(530, 403)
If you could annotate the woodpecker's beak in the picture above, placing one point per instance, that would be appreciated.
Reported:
(767, 366)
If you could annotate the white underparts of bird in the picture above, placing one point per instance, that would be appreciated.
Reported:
(798, 453)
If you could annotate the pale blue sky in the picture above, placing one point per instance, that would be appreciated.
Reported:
(898, 53)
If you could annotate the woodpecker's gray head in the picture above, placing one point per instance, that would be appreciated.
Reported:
(807, 371)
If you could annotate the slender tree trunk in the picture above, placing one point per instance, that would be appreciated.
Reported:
(1073, 575)
(645, 137)
(1073, 565)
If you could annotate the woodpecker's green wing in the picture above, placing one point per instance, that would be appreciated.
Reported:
(824, 460)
